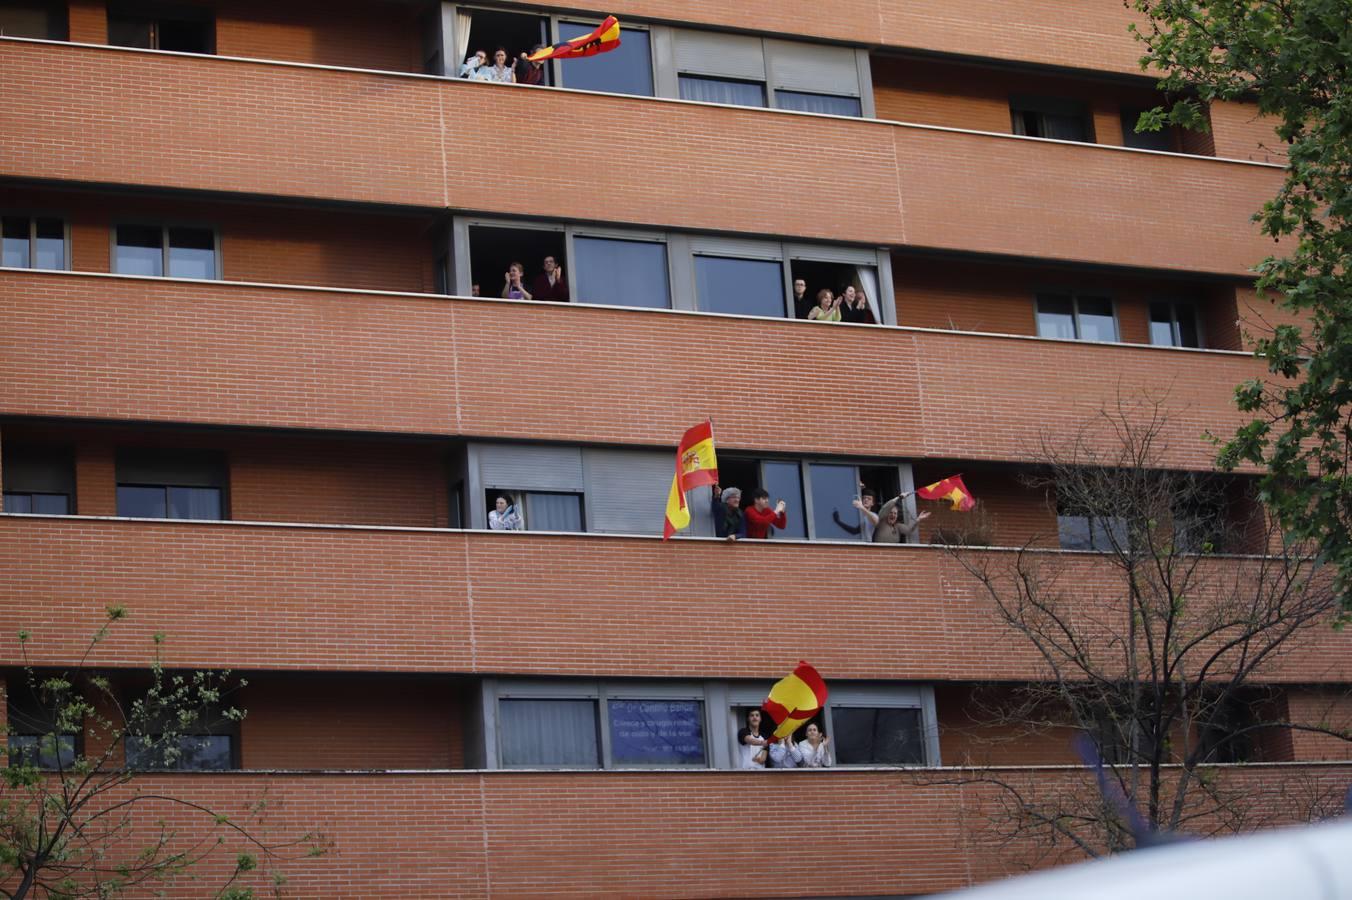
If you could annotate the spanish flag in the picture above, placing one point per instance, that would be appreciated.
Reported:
(605, 37)
(696, 464)
(951, 489)
(794, 700)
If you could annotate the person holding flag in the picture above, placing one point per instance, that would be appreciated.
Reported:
(889, 525)
(696, 464)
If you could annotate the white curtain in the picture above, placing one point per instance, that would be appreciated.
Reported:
(553, 512)
(548, 733)
(463, 19)
(868, 280)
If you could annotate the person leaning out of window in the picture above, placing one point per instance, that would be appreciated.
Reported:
(729, 521)
(889, 526)
(503, 516)
(827, 308)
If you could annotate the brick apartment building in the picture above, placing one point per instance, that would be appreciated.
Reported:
(245, 390)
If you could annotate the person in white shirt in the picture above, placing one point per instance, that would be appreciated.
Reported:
(815, 750)
(785, 754)
(751, 748)
(504, 516)
(500, 71)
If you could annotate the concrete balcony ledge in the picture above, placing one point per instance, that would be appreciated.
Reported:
(302, 131)
(278, 356)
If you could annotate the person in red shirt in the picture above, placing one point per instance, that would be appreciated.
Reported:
(760, 517)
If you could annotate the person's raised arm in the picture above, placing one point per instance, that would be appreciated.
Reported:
(845, 526)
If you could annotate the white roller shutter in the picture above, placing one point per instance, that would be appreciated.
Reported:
(531, 468)
(627, 489)
(814, 68)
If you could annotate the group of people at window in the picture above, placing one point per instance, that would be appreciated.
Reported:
(886, 525)
(503, 69)
(850, 304)
(755, 751)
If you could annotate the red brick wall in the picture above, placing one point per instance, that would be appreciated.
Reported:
(967, 736)
(280, 598)
(259, 242)
(350, 722)
(637, 834)
(1240, 133)
(1327, 707)
(366, 35)
(1001, 298)
(309, 133)
(308, 359)
(273, 478)
(1015, 514)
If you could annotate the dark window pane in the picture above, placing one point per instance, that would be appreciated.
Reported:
(14, 248)
(183, 36)
(628, 69)
(833, 487)
(1144, 140)
(1073, 532)
(622, 273)
(1055, 317)
(784, 481)
(1064, 128)
(135, 501)
(49, 251)
(28, 19)
(656, 732)
(548, 733)
(1096, 320)
(717, 90)
(192, 253)
(553, 512)
(130, 31)
(749, 287)
(50, 504)
(46, 751)
(139, 250)
(1105, 534)
(189, 752)
(1188, 335)
(18, 503)
(1162, 325)
(827, 104)
(878, 736)
(194, 503)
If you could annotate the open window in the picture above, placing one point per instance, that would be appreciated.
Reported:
(491, 29)
(494, 248)
(539, 510)
(857, 283)
(155, 26)
(1051, 117)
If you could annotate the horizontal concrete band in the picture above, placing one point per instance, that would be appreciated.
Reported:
(288, 131)
(155, 350)
(346, 599)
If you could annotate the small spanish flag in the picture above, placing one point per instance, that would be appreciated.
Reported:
(696, 464)
(794, 700)
(605, 37)
(951, 489)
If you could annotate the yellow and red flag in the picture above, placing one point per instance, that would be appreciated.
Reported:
(951, 489)
(794, 700)
(605, 37)
(696, 464)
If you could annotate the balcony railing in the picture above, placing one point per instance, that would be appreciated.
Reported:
(266, 596)
(287, 130)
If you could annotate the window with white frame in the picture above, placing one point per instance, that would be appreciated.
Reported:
(158, 250)
(1076, 317)
(1174, 324)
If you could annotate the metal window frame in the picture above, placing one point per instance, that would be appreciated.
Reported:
(1075, 294)
(32, 216)
(1174, 306)
(556, 66)
(599, 691)
(164, 226)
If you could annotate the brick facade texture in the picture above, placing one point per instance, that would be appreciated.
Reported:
(302, 133)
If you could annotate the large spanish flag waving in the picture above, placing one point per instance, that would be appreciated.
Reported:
(696, 464)
(794, 700)
(605, 37)
(951, 489)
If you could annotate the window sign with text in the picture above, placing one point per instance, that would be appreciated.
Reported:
(656, 732)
